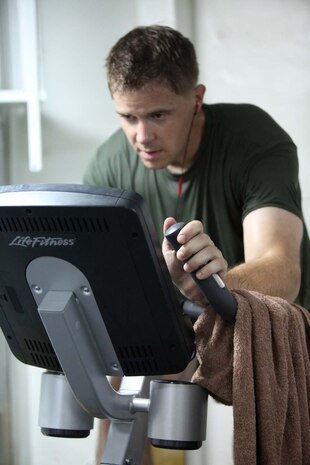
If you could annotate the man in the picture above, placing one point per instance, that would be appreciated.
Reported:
(228, 165)
(225, 169)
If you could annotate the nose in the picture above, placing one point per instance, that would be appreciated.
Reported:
(144, 133)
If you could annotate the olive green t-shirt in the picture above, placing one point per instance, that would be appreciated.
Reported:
(245, 161)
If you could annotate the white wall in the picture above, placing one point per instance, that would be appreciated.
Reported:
(249, 51)
(77, 114)
(258, 52)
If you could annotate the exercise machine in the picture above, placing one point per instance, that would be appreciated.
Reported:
(85, 294)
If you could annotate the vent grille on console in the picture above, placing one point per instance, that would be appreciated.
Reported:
(25, 224)
(137, 359)
(42, 354)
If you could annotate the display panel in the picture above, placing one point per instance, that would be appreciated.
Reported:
(109, 236)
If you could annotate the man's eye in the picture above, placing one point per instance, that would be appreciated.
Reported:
(128, 118)
(158, 116)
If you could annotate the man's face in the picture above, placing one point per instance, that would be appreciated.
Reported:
(157, 123)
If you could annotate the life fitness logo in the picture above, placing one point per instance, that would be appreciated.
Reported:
(42, 241)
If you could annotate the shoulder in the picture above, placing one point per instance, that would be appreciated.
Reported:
(248, 122)
(114, 146)
(113, 156)
(116, 151)
(229, 112)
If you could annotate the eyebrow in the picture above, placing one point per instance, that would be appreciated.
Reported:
(127, 113)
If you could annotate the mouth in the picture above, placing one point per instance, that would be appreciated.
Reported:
(149, 154)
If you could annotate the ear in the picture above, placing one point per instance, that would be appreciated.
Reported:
(199, 93)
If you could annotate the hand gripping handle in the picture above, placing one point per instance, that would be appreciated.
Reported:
(213, 287)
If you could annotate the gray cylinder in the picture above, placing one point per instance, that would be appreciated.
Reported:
(177, 415)
(60, 414)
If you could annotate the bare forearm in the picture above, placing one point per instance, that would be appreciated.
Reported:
(271, 276)
(272, 239)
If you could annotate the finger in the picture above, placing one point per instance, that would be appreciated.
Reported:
(192, 248)
(190, 230)
(203, 258)
(216, 266)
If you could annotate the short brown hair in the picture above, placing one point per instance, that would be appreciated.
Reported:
(152, 54)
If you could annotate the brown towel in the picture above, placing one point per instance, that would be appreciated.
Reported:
(261, 366)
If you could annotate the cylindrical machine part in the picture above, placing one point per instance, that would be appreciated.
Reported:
(177, 415)
(60, 414)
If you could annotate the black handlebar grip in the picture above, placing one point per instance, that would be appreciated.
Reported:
(213, 287)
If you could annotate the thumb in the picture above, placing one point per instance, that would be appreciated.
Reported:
(166, 246)
(168, 222)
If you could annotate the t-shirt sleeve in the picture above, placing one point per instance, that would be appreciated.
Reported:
(270, 178)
